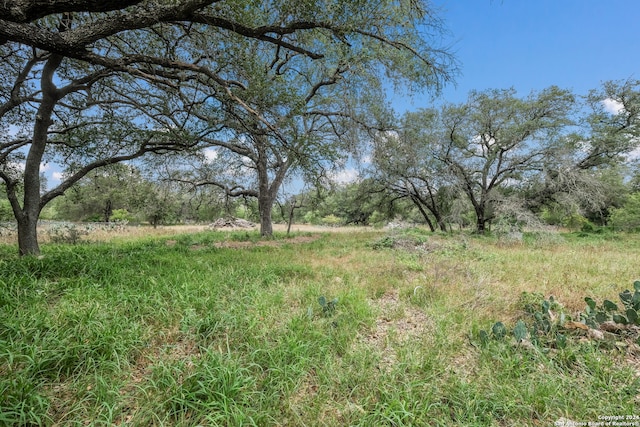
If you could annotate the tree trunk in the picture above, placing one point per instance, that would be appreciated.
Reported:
(27, 215)
(28, 235)
(480, 208)
(439, 220)
(481, 224)
(268, 191)
(292, 208)
(108, 210)
(265, 205)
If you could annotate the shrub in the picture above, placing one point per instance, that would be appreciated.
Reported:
(377, 219)
(627, 218)
(331, 220)
(311, 217)
(575, 222)
(120, 215)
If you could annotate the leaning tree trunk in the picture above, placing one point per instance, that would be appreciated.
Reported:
(425, 215)
(439, 220)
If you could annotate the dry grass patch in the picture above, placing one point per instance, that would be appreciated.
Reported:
(396, 324)
(487, 278)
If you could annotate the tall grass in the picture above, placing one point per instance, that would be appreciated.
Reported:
(189, 332)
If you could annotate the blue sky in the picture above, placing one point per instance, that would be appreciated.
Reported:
(533, 44)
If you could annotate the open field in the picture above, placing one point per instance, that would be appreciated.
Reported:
(193, 327)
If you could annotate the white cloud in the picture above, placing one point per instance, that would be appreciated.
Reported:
(20, 166)
(634, 155)
(57, 176)
(210, 154)
(612, 106)
(481, 144)
(345, 176)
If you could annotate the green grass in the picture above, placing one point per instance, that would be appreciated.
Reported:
(187, 332)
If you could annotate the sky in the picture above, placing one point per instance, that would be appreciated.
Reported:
(533, 44)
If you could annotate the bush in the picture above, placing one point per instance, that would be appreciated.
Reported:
(311, 217)
(94, 218)
(331, 220)
(627, 218)
(377, 219)
(120, 215)
(552, 216)
(575, 222)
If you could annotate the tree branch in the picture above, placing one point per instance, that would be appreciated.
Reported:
(30, 10)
